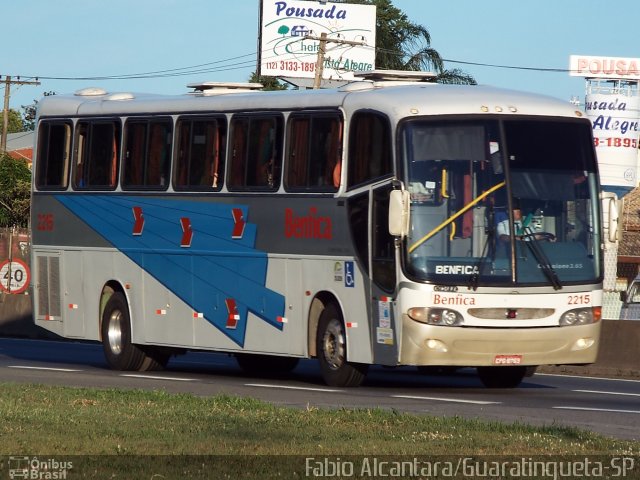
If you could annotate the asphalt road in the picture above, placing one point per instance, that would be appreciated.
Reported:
(608, 406)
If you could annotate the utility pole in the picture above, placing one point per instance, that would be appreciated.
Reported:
(5, 117)
(322, 51)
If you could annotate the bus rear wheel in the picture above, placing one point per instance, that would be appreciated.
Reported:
(120, 353)
(332, 351)
(501, 377)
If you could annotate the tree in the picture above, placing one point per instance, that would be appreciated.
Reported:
(404, 45)
(270, 83)
(15, 122)
(30, 111)
(15, 192)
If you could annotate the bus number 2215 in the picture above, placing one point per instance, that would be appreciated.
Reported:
(579, 299)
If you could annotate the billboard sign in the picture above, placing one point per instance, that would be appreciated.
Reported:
(287, 50)
(615, 133)
(604, 67)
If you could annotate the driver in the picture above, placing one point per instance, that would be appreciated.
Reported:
(521, 228)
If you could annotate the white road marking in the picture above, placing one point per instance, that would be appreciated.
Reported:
(286, 387)
(587, 378)
(608, 393)
(445, 399)
(26, 367)
(586, 409)
(158, 377)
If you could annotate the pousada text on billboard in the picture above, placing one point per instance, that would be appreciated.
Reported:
(604, 67)
(310, 12)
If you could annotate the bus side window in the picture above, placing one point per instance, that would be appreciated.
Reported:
(215, 135)
(199, 154)
(103, 155)
(314, 152)
(256, 153)
(159, 155)
(147, 159)
(369, 148)
(262, 154)
(136, 138)
(183, 153)
(239, 130)
(79, 180)
(54, 151)
(296, 172)
(96, 155)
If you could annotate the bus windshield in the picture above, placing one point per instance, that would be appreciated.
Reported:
(501, 201)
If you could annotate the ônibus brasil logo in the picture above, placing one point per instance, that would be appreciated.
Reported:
(38, 469)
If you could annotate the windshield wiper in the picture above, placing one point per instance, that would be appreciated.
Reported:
(532, 242)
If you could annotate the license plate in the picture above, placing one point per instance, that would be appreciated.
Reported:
(507, 360)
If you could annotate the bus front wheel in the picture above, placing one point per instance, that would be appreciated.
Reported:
(120, 353)
(332, 351)
(501, 377)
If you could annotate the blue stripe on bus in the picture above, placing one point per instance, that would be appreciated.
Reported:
(214, 268)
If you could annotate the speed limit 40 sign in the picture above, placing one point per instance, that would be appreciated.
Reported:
(14, 276)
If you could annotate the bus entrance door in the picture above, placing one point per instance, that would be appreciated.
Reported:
(384, 328)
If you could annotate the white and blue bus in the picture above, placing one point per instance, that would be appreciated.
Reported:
(358, 226)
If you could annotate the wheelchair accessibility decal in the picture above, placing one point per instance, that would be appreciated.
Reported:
(344, 272)
(349, 275)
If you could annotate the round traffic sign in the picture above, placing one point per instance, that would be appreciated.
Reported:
(14, 276)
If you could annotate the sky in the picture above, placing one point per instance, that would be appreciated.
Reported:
(216, 40)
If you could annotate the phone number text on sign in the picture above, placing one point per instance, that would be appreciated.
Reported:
(615, 142)
(14, 276)
(292, 66)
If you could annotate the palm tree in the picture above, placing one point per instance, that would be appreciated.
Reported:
(404, 45)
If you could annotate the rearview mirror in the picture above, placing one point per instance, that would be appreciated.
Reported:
(611, 207)
(399, 213)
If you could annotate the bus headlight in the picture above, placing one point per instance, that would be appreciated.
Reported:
(435, 316)
(581, 316)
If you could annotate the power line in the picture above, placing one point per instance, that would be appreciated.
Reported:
(153, 74)
(224, 65)
(179, 71)
(512, 67)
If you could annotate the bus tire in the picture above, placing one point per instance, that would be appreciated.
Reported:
(331, 348)
(501, 377)
(120, 353)
(156, 358)
(265, 364)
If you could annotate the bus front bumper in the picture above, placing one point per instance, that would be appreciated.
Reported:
(424, 344)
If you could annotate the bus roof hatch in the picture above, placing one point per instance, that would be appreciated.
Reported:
(217, 88)
(395, 75)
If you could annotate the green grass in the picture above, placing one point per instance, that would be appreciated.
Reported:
(46, 420)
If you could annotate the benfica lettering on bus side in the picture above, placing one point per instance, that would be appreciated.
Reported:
(307, 226)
